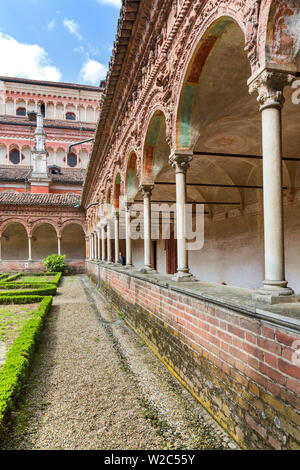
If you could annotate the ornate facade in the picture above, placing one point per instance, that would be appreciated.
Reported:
(41, 176)
(201, 107)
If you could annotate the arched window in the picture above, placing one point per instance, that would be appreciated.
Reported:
(72, 160)
(71, 117)
(21, 111)
(14, 156)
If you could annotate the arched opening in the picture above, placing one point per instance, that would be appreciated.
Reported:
(132, 182)
(21, 111)
(14, 242)
(44, 241)
(70, 116)
(219, 122)
(15, 156)
(73, 242)
(158, 172)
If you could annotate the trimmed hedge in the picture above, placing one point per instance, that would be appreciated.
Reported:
(20, 299)
(55, 281)
(15, 368)
(3, 276)
(13, 277)
(39, 289)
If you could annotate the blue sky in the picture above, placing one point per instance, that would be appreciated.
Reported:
(60, 40)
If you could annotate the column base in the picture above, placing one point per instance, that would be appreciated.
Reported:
(147, 270)
(183, 277)
(128, 266)
(274, 292)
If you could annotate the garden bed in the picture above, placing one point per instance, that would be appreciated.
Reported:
(12, 320)
(21, 338)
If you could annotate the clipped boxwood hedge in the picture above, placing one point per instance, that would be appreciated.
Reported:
(39, 289)
(15, 368)
(14, 277)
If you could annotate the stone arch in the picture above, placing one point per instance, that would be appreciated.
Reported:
(117, 192)
(14, 241)
(73, 241)
(204, 46)
(156, 149)
(44, 240)
(131, 181)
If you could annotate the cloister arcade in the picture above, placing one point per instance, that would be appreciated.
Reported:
(54, 109)
(18, 154)
(203, 137)
(20, 243)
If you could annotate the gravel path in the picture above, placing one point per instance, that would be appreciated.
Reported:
(95, 385)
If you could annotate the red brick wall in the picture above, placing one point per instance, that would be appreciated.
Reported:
(240, 368)
(36, 266)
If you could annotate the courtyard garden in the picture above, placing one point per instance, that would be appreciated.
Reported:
(25, 300)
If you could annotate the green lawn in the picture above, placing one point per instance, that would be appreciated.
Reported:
(12, 320)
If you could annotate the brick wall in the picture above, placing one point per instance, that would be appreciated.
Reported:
(239, 368)
(36, 266)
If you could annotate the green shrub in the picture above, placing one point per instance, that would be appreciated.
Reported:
(15, 368)
(40, 289)
(20, 299)
(55, 263)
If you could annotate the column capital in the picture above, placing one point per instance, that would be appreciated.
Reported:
(147, 189)
(180, 160)
(269, 85)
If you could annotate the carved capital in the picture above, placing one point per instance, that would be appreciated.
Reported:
(180, 160)
(147, 190)
(269, 85)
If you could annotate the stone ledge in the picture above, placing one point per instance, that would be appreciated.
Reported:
(232, 298)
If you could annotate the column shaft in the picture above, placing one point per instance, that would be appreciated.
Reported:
(117, 236)
(128, 236)
(29, 249)
(103, 244)
(109, 253)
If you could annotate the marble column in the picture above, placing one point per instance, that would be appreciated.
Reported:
(269, 85)
(147, 192)
(128, 235)
(99, 245)
(109, 251)
(103, 243)
(117, 237)
(180, 161)
(29, 249)
(95, 246)
(59, 246)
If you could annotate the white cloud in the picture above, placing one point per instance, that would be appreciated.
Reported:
(25, 61)
(51, 25)
(114, 3)
(92, 72)
(72, 27)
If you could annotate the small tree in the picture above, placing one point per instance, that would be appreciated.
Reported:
(55, 263)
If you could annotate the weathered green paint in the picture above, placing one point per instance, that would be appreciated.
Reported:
(154, 130)
(195, 70)
(185, 115)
